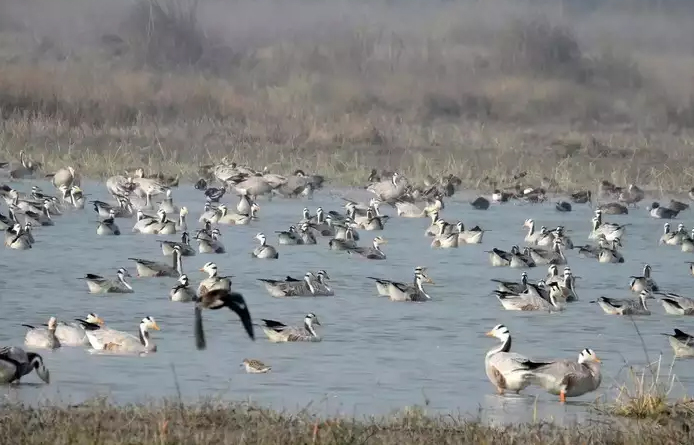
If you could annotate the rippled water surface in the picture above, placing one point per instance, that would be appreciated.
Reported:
(377, 355)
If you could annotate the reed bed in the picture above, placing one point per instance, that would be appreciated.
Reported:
(478, 89)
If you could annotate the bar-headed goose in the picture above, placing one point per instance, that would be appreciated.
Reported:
(43, 338)
(182, 291)
(238, 218)
(147, 268)
(108, 225)
(17, 238)
(629, 306)
(113, 341)
(673, 238)
(214, 280)
(74, 334)
(469, 236)
(100, 285)
(568, 378)
(645, 282)
(217, 299)
(289, 237)
(682, 343)
(321, 287)
(15, 363)
(167, 204)
(278, 332)
(372, 253)
(508, 371)
(676, 304)
(167, 247)
(411, 292)
(611, 254)
(290, 287)
(264, 250)
(513, 286)
(382, 284)
(530, 301)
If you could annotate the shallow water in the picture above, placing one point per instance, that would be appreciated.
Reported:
(376, 355)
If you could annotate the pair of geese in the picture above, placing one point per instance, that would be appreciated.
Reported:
(550, 294)
(529, 257)
(91, 332)
(679, 237)
(510, 371)
(312, 285)
(398, 291)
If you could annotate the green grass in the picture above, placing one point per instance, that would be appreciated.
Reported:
(169, 422)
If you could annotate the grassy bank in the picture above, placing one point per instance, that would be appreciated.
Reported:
(478, 89)
(172, 423)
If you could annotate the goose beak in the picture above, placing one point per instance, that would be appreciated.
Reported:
(155, 326)
(598, 360)
(489, 334)
(429, 280)
(201, 269)
(99, 321)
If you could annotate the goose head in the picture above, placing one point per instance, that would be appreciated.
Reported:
(111, 213)
(36, 362)
(529, 223)
(262, 238)
(162, 215)
(304, 228)
(680, 228)
(254, 209)
(306, 213)
(216, 234)
(183, 280)
(322, 275)
(223, 209)
(184, 211)
(500, 332)
(647, 271)
(311, 320)
(460, 226)
(421, 275)
(122, 273)
(552, 270)
(185, 237)
(168, 193)
(94, 319)
(588, 356)
(207, 206)
(379, 240)
(52, 323)
(210, 268)
(666, 227)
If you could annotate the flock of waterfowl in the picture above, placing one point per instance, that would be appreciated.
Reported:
(134, 199)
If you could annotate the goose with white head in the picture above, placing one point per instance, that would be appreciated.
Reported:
(118, 342)
(108, 225)
(15, 363)
(264, 250)
(100, 285)
(627, 306)
(411, 292)
(371, 253)
(213, 281)
(568, 378)
(506, 370)
(74, 334)
(42, 338)
(278, 332)
(167, 247)
(182, 292)
(148, 268)
(291, 287)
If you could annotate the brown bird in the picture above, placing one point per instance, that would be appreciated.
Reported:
(217, 299)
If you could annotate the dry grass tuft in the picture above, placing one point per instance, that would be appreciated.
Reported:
(213, 423)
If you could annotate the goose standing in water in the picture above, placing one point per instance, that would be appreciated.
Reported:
(15, 363)
(506, 370)
(182, 291)
(74, 334)
(167, 247)
(681, 342)
(217, 299)
(213, 281)
(42, 338)
(108, 226)
(100, 285)
(278, 332)
(371, 253)
(568, 378)
(147, 268)
(264, 250)
(629, 306)
(113, 341)
(645, 282)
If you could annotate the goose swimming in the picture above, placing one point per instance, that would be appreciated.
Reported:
(372, 253)
(213, 280)
(43, 338)
(108, 226)
(278, 332)
(382, 284)
(74, 334)
(110, 340)
(167, 247)
(614, 306)
(182, 292)
(148, 268)
(100, 285)
(513, 286)
(645, 282)
(264, 250)
(656, 211)
(529, 301)
(410, 292)
(290, 287)
(471, 236)
(676, 304)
